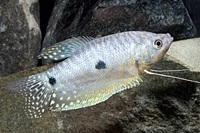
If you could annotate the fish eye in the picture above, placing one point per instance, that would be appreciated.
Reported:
(157, 44)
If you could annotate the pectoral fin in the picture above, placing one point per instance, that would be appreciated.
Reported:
(133, 69)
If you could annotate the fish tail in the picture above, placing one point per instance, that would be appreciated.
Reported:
(36, 94)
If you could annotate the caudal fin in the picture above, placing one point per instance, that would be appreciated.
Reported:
(35, 92)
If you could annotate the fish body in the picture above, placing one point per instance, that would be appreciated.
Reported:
(95, 70)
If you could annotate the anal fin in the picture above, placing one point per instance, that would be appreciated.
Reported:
(91, 94)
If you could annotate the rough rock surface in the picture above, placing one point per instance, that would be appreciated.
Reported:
(19, 35)
(186, 52)
(103, 17)
(193, 7)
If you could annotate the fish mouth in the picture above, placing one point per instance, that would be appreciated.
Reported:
(169, 42)
(170, 39)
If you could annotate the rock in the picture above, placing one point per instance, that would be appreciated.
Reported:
(186, 52)
(193, 7)
(19, 35)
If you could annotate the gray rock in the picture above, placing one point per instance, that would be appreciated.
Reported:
(103, 17)
(19, 35)
(193, 7)
(186, 52)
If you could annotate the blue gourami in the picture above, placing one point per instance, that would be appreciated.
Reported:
(94, 70)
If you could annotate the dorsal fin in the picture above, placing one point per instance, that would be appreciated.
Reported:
(64, 49)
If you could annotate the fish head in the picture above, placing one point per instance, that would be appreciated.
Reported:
(153, 47)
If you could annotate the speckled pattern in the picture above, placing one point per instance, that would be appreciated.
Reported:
(79, 82)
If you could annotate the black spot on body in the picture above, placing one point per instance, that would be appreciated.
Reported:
(100, 65)
(52, 80)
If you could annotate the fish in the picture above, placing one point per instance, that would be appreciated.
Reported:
(93, 70)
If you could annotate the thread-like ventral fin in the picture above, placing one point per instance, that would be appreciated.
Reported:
(64, 49)
(35, 92)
